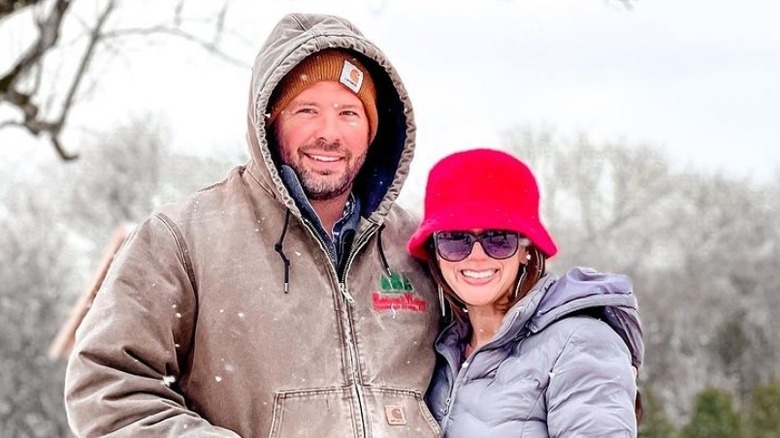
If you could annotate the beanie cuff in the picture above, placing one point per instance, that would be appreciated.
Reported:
(328, 65)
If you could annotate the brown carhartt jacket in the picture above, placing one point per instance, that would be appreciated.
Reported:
(192, 333)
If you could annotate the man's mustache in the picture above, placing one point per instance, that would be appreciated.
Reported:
(322, 145)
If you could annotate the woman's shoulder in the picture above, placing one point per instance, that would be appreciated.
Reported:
(574, 331)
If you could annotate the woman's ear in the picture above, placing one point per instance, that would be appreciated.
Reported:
(527, 258)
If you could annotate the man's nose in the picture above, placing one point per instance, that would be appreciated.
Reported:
(328, 128)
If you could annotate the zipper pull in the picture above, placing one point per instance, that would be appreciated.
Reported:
(345, 293)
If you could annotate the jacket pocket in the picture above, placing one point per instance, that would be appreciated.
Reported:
(313, 413)
(398, 413)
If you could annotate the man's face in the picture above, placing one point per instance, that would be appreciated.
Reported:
(323, 135)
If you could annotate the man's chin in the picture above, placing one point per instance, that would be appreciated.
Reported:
(320, 190)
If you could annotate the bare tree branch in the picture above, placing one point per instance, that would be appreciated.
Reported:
(20, 85)
(8, 7)
(47, 38)
(29, 63)
(209, 46)
(94, 38)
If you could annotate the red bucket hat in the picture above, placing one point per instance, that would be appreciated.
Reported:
(481, 188)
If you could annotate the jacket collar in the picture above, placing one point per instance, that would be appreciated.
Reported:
(349, 220)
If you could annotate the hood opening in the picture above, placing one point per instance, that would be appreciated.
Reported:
(376, 177)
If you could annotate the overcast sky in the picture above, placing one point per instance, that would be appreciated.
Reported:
(698, 78)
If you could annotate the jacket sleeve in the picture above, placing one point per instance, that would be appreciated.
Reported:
(122, 376)
(592, 386)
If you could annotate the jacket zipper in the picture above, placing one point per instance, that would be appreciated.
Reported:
(356, 246)
(458, 379)
(348, 332)
(455, 377)
(313, 232)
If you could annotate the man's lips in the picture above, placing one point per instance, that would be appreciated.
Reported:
(323, 158)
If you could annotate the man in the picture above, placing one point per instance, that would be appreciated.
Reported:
(279, 302)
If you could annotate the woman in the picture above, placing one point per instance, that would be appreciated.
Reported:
(526, 354)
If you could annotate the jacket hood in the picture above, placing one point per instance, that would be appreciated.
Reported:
(584, 288)
(294, 38)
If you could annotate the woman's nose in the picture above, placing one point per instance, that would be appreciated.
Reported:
(477, 252)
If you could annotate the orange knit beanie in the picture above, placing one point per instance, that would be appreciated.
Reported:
(328, 65)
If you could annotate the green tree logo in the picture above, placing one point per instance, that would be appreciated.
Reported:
(395, 283)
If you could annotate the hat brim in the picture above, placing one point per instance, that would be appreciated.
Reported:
(528, 227)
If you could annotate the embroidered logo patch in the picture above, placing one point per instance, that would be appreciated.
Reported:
(397, 293)
(395, 415)
(351, 76)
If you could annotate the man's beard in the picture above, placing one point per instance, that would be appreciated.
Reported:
(321, 186)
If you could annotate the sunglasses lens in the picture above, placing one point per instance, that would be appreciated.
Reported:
(499, 244)
(453, 246)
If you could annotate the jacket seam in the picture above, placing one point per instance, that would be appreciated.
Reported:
(181, 246)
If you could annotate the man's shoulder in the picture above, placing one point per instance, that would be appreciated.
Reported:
(219, 196)
(402, 218)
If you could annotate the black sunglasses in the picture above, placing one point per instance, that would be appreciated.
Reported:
(455, 246)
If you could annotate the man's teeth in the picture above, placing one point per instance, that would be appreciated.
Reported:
(478, 274)
(324, 158)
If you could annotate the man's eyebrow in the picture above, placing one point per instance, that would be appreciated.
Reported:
(305, 103)
(349, 105)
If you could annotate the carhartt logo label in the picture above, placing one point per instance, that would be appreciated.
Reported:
(397, 293)
(395, 415)
(351, 76)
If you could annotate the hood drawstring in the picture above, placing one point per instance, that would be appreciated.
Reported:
(382, 251)
(278, 248)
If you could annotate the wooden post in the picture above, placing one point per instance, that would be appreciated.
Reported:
(66, 336)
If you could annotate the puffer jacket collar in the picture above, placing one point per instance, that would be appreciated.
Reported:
(387, 165)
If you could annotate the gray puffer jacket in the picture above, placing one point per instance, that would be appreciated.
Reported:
(560, 365)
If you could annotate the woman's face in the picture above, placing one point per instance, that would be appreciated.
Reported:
(480, 280)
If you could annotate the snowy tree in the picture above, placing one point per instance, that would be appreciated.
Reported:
(54, 224)
(64, 40)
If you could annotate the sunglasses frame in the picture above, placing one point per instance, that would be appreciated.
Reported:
(521, 241)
